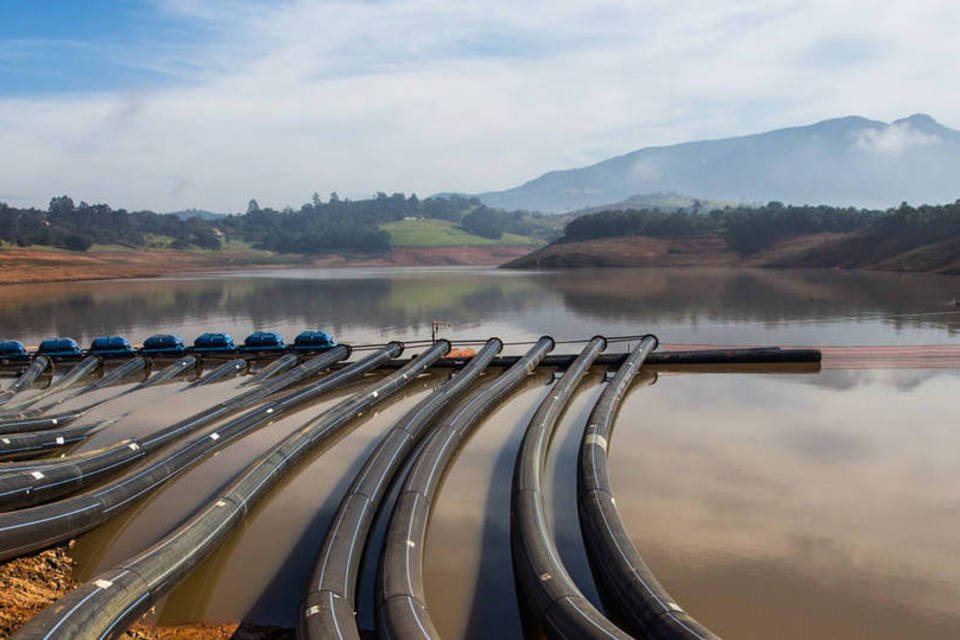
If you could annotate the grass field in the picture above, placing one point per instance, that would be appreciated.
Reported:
(441, 233)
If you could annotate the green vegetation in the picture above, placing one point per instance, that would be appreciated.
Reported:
(443, 233)
(749, 229)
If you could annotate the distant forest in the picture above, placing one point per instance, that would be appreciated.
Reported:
(316, 227)
(749, 229)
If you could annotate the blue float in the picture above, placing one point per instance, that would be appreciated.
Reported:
(263, 341)
(164, 344)
(313, 341)
(214, 343)
(107, 346)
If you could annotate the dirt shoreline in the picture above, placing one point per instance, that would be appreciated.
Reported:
(22, 266)
(30, 583)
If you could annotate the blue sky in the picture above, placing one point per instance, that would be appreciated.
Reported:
(168, 104)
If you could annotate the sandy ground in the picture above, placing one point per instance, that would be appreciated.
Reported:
(37, 265)
(29, 584)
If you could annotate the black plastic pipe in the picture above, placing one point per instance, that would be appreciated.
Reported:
(636, 601)
(127, 369)
(171, 371)
(38, 527)
(38, 424)
(105, 606)
(225, 371)
(402, 610)
(555, 603)
(73, 473)
(19, 446)
(26, 379)
(71, 378)
(328, 608)
(279, 365)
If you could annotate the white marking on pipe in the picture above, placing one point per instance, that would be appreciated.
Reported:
(214, 436)
(55, 421)
(545, 576)
(103, 584)
(38, 475)
(593, 438)
(60, 440)
(6, 441)
(312, 611)
(675, 606)
(374, 394)
(270, 410)
(134, 446)
(411, 544)
(221, 503)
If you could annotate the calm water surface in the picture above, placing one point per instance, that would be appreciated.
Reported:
(778, 505)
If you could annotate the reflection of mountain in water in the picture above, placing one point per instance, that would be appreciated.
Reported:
(753, 295)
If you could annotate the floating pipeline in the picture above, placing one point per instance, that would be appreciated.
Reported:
(402, 610)
(72, 378)
(38, 424)
(105, 606)
(636, 600)
(276, 367)
(24, 488)
(227, 370)
(555, 603)
(26, 379)
(30, 444)
(328, 610)
(38, 527)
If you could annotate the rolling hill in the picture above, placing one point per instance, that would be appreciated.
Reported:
(844, 161)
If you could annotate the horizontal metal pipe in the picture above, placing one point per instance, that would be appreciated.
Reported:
(105, 606)
(37, 527)
(556, 604)
(73, 473)
(328, 608)
(636, 600)
(402, 610)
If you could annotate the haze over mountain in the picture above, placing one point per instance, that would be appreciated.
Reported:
(844, 161)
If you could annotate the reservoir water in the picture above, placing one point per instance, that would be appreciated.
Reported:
(772, 504)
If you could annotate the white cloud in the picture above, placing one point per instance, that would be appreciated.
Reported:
(894, 140)
(425, 95)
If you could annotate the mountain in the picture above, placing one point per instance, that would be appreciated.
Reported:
(844, 161)
(661, 201)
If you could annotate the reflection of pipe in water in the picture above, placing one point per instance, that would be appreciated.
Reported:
(638, 603)
(401, 610)
(329, 606)
(225, 371)
(114, 600)
(72, 473)
(27, 379)
(557, 605)
(36, 527)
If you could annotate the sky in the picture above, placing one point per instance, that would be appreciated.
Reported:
(172, 104)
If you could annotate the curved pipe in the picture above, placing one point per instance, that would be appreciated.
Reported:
(27, 379)
(279, 365)
(105, 606)
(70, 379)
(172, 371)
(556, 603)
(37, 527)
(37, 424)
(637, 601)
(18, 446)
(225, 371)
(328, 609)
(402, 612)
(72, 473)
(127, 369)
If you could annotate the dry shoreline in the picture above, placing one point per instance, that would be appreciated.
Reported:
(30, 583)
(22, 266)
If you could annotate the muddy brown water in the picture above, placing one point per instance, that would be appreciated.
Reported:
(787, 505)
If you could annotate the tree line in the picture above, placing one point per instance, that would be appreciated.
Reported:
(317, 226)
(749, 229)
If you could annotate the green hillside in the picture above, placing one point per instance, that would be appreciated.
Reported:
(442, 233)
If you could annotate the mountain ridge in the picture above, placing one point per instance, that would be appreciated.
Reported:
(845, 161)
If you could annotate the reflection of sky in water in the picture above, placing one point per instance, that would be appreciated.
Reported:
(719, 306)
(787, 506)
